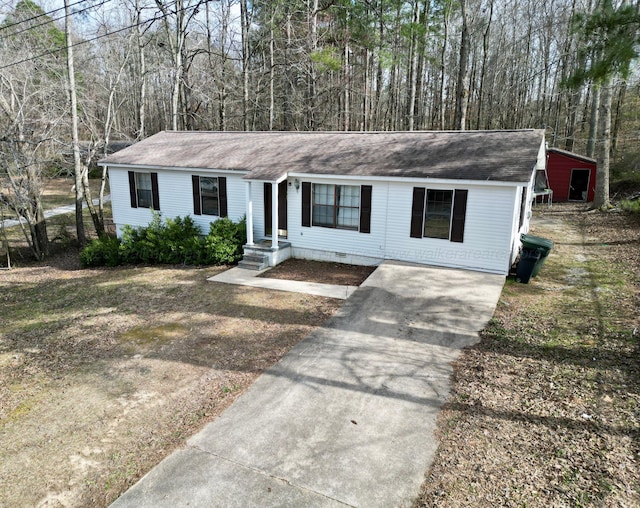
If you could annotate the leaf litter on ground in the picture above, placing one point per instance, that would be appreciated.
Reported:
(545, 410)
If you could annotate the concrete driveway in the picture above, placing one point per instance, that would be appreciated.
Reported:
(347, 417)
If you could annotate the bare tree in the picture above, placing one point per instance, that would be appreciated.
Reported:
(75, 143)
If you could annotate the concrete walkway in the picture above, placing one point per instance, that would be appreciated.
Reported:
(250, 278)
(347, 417)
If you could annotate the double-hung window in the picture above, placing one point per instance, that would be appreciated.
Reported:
(438, 213)
(209, 195)
(143, 190)
(336, 206)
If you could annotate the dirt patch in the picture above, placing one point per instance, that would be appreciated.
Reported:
(544, 410)
(105, 372)
(318, 271)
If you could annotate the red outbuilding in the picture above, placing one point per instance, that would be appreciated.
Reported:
(571, 177)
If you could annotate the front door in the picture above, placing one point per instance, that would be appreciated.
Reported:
(282, 209)
(579, 184)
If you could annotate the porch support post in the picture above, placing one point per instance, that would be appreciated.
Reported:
(249, 212)
(274, 215)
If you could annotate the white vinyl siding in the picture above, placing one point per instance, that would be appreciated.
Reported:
(487, 232)
(332, 240)
(491, 230)
(176, 197)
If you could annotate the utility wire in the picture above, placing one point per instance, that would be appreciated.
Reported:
(6, 27)
(157, 17)
(51, 20)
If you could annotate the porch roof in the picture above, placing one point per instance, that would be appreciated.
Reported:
(507, 156)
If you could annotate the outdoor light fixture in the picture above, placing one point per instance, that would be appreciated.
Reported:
(296, 184)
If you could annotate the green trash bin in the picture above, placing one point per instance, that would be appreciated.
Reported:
(535, 242)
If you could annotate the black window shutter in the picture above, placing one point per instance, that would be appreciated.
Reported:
(365, 208)
(268, 219)
(523, 206)
(132, 190)
(155, 195)
(459, 214)
(417, 212)
(222, 195)
(306, 204)
(195, 183)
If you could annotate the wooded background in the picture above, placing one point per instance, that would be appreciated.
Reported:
(141, 66)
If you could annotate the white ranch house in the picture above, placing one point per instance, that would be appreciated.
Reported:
(455, 199)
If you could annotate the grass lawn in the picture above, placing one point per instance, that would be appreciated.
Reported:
(61, 229)
(104, 372)
(59, 191)
(545, 410)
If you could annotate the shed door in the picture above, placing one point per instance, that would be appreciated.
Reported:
(579, 185)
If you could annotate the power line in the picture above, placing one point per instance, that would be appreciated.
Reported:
(51, 20)
(157, 17)
(6, 27)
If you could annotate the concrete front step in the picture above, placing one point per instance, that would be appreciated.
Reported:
(254, 262)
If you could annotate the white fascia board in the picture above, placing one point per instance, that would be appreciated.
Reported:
(174, 168)
(438, 181)
(281, 178)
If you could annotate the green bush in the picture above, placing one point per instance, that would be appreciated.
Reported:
(631, 206)
(224, 242)
(104, 251)
(174, 241)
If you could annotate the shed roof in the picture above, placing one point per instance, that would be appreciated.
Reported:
(572, 155)
(507, 156)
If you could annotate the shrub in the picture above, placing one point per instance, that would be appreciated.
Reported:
(104, 251)
(631, 206)
(224, 242)
(174, 241)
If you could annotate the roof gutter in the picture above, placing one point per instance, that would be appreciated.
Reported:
(404, 179)
(171, 168)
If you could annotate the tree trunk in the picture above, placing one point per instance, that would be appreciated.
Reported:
(244, 22)
(287, 115)
(463, 72)
(222, 83)
(313, 78)
(593, 120)
(272, 68)
(142, 69)
(604, 143)
(443, 68)
(618, 120)
(483, 70)
(77, 164)
(347, 119)
(411, 103)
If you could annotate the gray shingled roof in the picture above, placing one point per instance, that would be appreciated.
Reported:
(572, 155)
(462, 155)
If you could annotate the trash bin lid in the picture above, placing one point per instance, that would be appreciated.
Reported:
(534, 242)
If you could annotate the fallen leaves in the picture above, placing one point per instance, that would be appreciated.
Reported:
(544, 411)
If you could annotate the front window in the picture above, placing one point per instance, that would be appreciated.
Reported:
(437, 213)
(336, 206)
(209, 196)
(143, 190)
